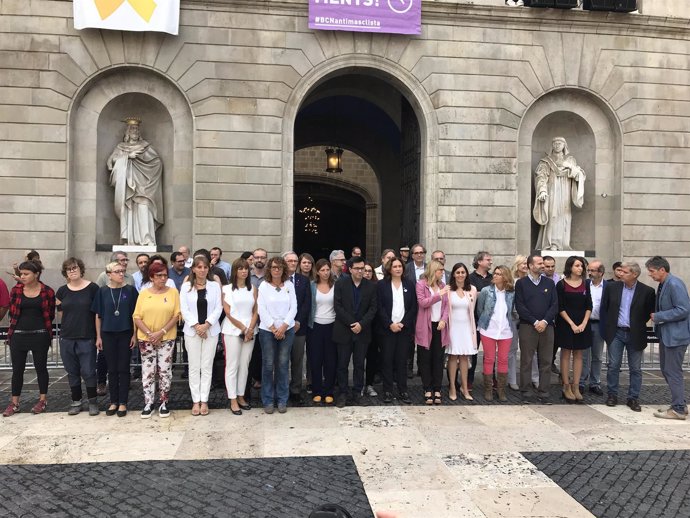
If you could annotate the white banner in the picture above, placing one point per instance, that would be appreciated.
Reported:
(128, 15)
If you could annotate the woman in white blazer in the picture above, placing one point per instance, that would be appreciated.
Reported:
(201, 307)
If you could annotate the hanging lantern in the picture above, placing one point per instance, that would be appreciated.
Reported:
(334, 160)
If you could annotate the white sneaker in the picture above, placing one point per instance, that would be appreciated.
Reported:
(147, 411)
(369, 391)
(520, 3)
(163, 410)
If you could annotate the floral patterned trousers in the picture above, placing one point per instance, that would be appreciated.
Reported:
(156, 357)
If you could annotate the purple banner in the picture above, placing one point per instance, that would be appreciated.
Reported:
(387, 16)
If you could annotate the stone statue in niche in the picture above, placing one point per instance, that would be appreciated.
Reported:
(136, 172)
(559, 183)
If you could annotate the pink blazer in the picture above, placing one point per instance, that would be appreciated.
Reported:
(426, 299)
(473, 302)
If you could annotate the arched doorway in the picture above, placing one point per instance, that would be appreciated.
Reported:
(371, 117)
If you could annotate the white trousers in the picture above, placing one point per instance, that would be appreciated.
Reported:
(200, 354)
(237, 356)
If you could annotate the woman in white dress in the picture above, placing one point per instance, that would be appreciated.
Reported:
(463, 330)
(241, 312)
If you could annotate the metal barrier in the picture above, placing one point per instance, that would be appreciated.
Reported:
(54, 359)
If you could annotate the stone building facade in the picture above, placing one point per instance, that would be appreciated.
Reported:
(489, 87)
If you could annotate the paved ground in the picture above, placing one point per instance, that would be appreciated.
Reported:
(623, 483)
(257, 488)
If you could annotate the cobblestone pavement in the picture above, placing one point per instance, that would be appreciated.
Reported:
(624, 483)
(274, 487)
(654, 392)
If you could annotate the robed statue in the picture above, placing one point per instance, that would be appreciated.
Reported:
(136, 172)
(560, 183)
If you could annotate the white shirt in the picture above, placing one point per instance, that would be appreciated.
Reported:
(379, 272)
(499, 325)
(436, 309)
(419, 270)
(325, 310)
(398, 311)
(597, 292)
(277, 305)
(241, 302)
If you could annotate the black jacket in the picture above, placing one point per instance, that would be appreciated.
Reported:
(641, 307)
(344, 305)
(385, 298)
(303, 294)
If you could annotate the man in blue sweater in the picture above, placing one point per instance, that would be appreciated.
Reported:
(536, 302)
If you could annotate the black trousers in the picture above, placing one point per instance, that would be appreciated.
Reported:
(117, 354)
(356, 349)
(20, 345)
(373, 358)
(394, 356)
(430, 362)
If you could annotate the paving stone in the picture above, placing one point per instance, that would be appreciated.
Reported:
(622, 484)
(281, 487)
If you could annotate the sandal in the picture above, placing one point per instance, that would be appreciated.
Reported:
(428, 399)
(195, 409)
(204, 409)
(437, 398)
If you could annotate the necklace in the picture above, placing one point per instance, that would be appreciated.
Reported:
(117, 306)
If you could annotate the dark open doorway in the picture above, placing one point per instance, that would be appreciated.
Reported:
(341, 222)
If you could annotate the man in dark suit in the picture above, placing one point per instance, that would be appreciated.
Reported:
(303, 294)
(592, 357)
(354, 300)
(626, 306)
(413, 271)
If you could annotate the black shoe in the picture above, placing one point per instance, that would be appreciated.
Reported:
(121, 413)
(341, 401)
(543, 398)
(611, 400)
(387, 397)
(236, 412)
(405, 398)
(111, 411)
(245, 407)
(634, 405)
(310, 389)
(596, 390)
(528, 399)
(296, 399)
(356, 398)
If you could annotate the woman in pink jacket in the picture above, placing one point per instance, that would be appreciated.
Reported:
(431, 330)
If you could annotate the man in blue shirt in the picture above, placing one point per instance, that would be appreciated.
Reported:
(178, 272)
(627, 306)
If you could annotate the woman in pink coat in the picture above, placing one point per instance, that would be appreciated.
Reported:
(431, 330)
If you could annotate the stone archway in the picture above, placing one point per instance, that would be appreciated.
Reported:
(410, 88)
(592, 131)
(94, 129)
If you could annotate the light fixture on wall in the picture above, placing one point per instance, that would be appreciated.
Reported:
(311, 215)
(334, 160)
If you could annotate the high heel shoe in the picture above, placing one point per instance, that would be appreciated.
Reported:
(437, 398)
(466, 397)
(453, 396)
(567, 394)
(428, 399)
(576, 392)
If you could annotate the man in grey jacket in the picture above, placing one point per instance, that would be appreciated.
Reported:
(672, 325)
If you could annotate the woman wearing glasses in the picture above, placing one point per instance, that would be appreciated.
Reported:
(277, 310)
(115, 338)
(156, 315)
(201, 308)
(78, 334)
(32, 309)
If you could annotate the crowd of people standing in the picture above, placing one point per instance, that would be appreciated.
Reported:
(269, 314)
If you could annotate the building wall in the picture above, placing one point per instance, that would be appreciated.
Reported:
(473, 75)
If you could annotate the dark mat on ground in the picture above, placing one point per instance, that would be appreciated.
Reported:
(622, 484)
(289, 487)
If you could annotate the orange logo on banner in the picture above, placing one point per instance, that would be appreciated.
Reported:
(144, 8)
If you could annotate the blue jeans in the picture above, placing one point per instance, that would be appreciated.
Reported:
(622, 343)
(591, 360)
(671, 362)
(275, 367)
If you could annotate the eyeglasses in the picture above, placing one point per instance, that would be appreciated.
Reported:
(119, 272)
(72, 269)
(123, 260)
(419, 253)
